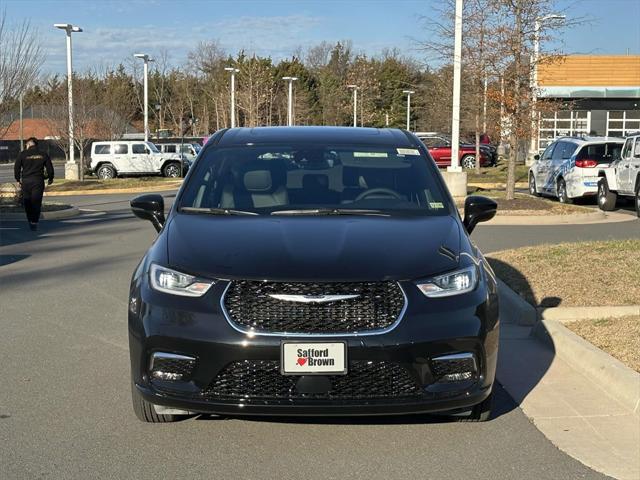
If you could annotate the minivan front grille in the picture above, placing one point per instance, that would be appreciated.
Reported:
(261, 379)
(312, 307)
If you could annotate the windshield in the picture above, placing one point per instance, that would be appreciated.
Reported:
(314, 180)
(152, 147)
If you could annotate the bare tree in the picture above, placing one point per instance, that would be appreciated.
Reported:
(20, 60)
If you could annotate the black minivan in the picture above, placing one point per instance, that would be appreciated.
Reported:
(313, 271)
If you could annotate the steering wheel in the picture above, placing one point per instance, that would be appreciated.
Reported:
(373, 191)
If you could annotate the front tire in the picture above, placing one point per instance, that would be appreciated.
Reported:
(638, 199)
(469, 161)
(171, 170)
(145, 410)
(480, 412)
(561, 191)
(532, 186)
(606, 198)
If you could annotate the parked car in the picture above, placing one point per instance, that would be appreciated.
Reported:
(622, 177)
(313, 271)
(568, 168)
(119, 158)
(439, 146)
(189, 150)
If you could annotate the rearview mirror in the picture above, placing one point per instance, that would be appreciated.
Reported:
(478, 209)
(149, 207)
(536, 157)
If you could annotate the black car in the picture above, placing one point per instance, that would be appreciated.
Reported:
(313, 271)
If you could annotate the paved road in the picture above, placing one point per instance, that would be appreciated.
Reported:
(64, 397)
(6, 171)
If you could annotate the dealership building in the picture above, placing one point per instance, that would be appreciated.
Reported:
(595, 95)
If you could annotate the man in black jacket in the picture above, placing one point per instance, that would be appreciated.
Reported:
(29, 172)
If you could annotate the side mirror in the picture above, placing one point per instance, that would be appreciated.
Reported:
(536, 157)
(478, 209)
(149, 207)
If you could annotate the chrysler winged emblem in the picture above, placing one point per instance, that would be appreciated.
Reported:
(311, 298)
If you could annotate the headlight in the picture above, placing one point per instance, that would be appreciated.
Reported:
(170, 281)
(454, 283)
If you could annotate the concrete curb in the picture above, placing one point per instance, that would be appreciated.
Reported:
(54, 215)
(571, 314)
(612, 375)
(492, 185)
(579, 219)
(112, 191)
(516, 309)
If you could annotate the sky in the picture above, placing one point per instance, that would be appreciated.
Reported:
(115, 29)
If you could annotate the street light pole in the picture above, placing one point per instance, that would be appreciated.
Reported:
(233, 72)
(408, 92)
(355, 104)
(457, 68)
(71, 168)
(533, 147)
(146, 60)
(290, 102)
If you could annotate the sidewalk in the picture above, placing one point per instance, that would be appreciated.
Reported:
(575, 414)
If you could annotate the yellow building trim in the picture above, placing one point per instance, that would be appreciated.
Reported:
(590, 71)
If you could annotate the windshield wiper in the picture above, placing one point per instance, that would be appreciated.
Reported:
(215, 211)
(331, 211)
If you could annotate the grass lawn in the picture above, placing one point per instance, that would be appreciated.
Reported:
(96, 184)
(497, 174)
(573, 274)
(525, 204)
(619, 337)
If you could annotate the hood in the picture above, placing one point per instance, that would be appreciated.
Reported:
(322, 248)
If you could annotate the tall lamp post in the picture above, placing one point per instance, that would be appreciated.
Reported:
(355, 104)
(290, 104)
(71, 170)
(457, 68)
(408, 93)
(233, 72)
(533, 147)
(146, 60)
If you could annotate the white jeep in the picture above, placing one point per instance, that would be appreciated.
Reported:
(123, 157)
(622, 177)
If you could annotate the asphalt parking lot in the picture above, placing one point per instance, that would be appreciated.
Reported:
(65, 409)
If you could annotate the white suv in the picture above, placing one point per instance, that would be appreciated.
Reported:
(622, 177)
(568, 168)
(189, 150)
(122, 157)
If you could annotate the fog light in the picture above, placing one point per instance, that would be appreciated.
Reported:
(171, 367)
(457, 367)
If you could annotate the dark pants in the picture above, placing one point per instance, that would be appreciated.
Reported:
(32, 191)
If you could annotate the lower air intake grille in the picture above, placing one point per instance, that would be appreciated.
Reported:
(256, 379)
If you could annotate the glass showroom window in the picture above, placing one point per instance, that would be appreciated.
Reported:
(563, 123)
(622, 122)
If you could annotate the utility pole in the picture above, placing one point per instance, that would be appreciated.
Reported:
(233, 72)
(290, 101)
(355, 103)
(71, 170)
(408, 93)
(457, 68)
(146, 60)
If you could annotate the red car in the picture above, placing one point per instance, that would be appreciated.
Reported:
(439, 146)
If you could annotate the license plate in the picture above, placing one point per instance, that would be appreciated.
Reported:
(313, 358)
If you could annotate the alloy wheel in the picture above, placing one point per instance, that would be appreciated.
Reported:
(469, 161)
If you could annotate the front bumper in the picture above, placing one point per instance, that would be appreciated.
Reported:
(429, 328)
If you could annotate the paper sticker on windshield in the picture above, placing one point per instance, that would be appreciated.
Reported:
(407, 151)
(370, 154)
(436, 205)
